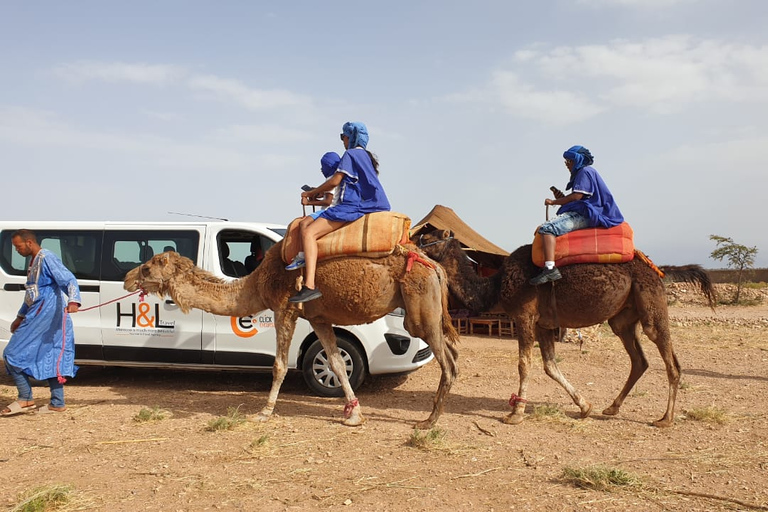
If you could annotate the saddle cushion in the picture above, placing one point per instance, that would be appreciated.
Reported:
(591, 245)
(373, 235)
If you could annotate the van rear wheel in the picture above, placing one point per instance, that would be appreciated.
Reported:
(316, 368)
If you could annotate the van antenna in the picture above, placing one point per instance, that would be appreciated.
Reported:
(200, 216)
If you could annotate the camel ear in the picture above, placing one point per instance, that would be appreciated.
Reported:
(446, 234)
(165, 258)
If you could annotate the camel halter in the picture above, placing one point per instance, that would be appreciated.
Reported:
(441, 241)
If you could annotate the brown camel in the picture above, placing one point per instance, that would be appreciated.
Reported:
(356, 290)
(627, 295)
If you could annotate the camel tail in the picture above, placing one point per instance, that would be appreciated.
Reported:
(693, 274)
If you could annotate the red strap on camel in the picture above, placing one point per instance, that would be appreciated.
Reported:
(414, 256)
(350, 407)
(514, 400)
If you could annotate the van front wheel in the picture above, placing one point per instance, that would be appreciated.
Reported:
(316, 368)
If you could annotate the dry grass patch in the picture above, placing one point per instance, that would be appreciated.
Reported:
(44, 498)
(600, 478)
(709, 414)
(233, 419)
(432, 439)
(154, 414)
(548, 412)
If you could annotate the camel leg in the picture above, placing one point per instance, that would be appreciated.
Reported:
(353, 415)
(424, 319)
(657, 330)
(524, 327)
(448, 373)
(624, 325)
(285, 324)
(547, 345)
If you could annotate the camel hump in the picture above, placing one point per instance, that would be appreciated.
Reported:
(373, 235)
(590, 245)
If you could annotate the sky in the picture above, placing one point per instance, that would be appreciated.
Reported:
(145, 110)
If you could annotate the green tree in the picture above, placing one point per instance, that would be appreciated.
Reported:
(739, 257)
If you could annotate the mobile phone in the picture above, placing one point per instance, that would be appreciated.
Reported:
(558, 194)
(306, 188)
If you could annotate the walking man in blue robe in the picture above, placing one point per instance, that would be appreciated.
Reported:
(43, 343)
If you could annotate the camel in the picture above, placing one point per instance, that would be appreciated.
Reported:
(627, 295)
(356, 290)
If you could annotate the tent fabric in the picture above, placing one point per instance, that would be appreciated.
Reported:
(478, 248)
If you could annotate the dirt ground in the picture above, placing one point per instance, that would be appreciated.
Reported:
(305, 459)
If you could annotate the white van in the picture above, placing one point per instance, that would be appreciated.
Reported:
(155, 333)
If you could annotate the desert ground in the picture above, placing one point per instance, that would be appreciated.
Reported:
(159, 440)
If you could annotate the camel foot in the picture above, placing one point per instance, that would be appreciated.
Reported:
(611, 411)
(513, 418)
(424, 425)
(355, 419)
(663, 423)
(263, 415)
(586, 410)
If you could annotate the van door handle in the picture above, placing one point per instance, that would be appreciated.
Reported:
(170, 302)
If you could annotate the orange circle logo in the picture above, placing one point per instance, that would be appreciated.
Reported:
(243, 326)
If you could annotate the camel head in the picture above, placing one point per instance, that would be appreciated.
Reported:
(155, 275)
(435, 243)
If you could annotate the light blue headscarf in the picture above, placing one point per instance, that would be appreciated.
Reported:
(357, 133)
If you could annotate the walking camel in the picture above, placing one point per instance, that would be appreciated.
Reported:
(356, 290)
(627, 295)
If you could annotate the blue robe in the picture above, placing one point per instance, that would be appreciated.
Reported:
(36, 346)
(597, 205)
(360, 191)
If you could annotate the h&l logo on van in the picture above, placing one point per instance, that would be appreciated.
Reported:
(142, 317)
(243, 326)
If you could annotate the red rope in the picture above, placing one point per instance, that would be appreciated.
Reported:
(350, 407)
(414, 256)
(514, 400)
(59, 376)
(141, 299)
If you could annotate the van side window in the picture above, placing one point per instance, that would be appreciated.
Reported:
(80, 251)
(125, 250)
(240, 252)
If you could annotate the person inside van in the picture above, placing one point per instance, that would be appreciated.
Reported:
(230, 267)
(360, 192)
(254, 259)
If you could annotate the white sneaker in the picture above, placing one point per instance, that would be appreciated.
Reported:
(296, 263)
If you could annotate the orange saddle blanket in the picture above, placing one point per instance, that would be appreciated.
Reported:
(374, 235)
(591, 245)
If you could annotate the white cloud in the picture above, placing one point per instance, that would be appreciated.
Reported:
(155, 74)
(43, 131)
(662, 75)
(559, 107)
(253, 99)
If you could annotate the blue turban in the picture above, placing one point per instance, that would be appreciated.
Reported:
(357, 133)
(580, 156)
(329, 163)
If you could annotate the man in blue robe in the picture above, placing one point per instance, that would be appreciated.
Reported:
(590, 204)
(43, 343)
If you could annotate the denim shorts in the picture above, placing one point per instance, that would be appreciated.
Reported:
(565, 223)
